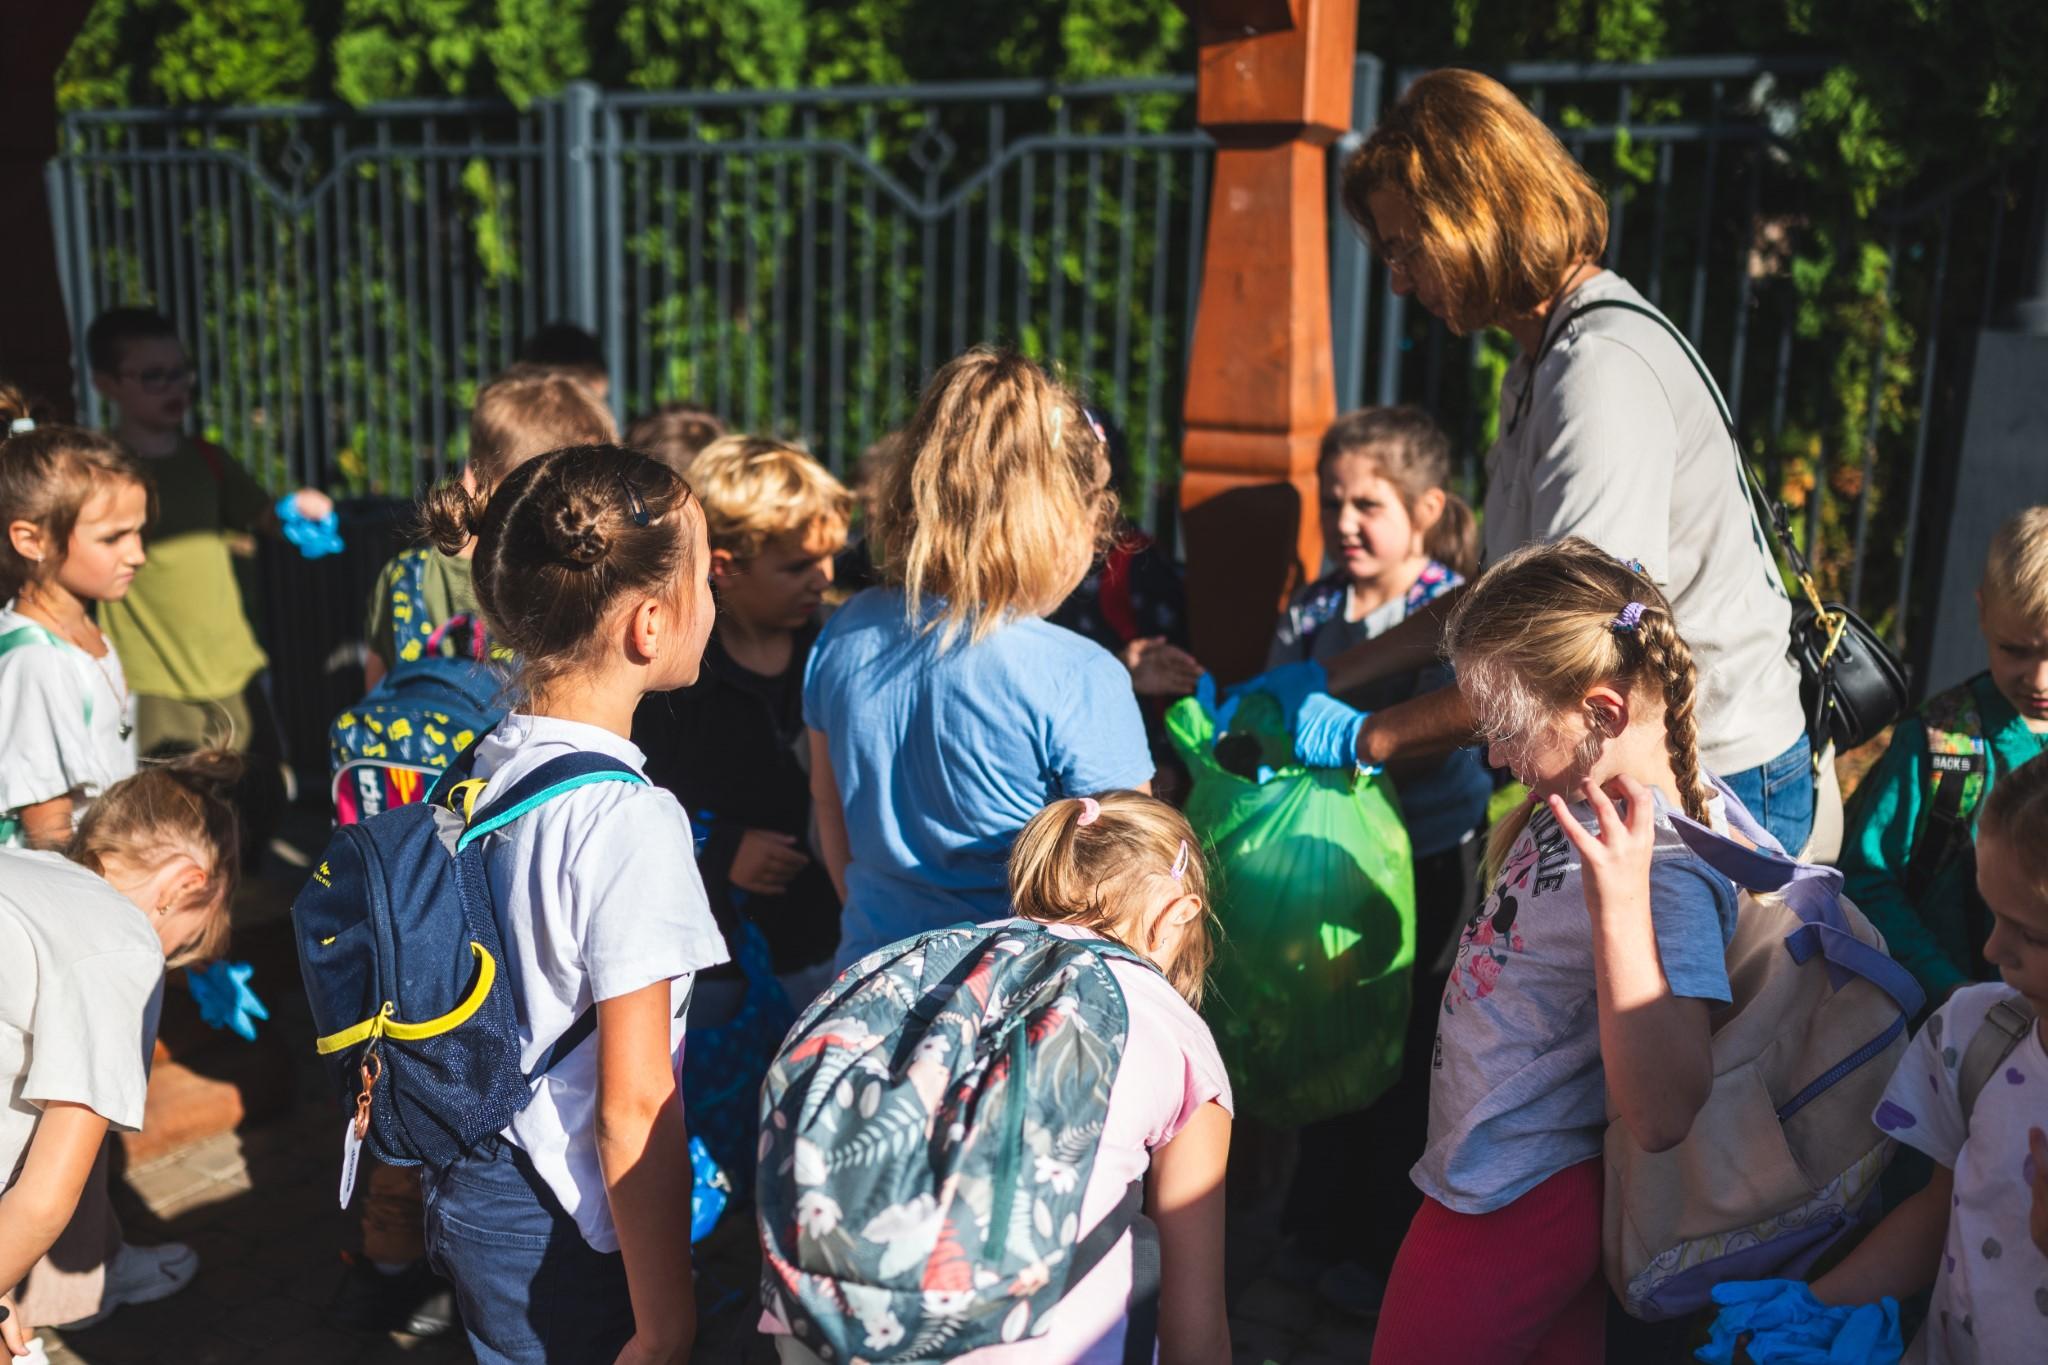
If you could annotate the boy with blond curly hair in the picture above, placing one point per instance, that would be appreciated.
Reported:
(1907, 858)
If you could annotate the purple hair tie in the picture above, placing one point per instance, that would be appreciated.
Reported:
(1626, 623)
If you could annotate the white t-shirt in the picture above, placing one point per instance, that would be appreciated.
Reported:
(1622, 444)
(48, 747)
(81, 979)
(598, 895)
(1991, 1289)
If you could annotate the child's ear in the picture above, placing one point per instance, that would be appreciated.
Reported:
(1429, 509)
(1607, 711)
(103, 385)
(724, 567)
(27, 539)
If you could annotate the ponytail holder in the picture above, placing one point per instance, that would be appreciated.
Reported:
(1626, 623)
(1090, 809)
(1180, 862)
(21, 424)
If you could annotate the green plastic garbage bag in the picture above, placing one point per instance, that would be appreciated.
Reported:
(1315, 890)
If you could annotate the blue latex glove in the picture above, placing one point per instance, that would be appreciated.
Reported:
(1292, 684)
(1219, 712)
(225, 1000)
(1326, 733)
(1784, 1323)
(709, 1190)
(313, 538)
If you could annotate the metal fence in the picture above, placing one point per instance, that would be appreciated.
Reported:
(799, 260)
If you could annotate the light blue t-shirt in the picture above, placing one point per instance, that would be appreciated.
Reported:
(942, 757)
(1516, 1091)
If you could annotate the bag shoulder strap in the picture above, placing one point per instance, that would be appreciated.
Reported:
(34, 634)
(1760, 508)
(2003, 1030)
(554, 778)
(1960, 768)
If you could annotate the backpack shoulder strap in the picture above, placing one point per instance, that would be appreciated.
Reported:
(33, 634)
(488, 810)
(1960, 766)
(2003, 1030)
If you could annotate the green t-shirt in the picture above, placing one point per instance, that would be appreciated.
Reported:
(1933, 935)
(446, 590)
(181, 629)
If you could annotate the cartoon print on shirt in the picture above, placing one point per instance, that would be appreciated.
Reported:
(1538, 862)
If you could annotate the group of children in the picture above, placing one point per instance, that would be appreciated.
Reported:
(836, 778)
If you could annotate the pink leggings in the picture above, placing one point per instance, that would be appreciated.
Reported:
(1522, 1283)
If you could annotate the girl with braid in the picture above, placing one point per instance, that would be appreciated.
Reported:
(1583, 984)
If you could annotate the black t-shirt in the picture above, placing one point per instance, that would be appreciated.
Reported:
(734, 751)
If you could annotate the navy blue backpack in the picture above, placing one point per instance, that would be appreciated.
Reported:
(406, 971)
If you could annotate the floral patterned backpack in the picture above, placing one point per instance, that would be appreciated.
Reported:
(927, 1134)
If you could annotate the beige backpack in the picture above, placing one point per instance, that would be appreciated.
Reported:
(1783, 1158)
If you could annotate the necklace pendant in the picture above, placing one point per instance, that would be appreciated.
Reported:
(126, 730)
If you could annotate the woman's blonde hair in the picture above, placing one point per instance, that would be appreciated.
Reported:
(1549, 623)
(2016, 812)
(1064, 872)
(177, 807)
(1504, 211)
(992, 503)
(755, 490)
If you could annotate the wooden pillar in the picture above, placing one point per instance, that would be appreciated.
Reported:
(1275, 91)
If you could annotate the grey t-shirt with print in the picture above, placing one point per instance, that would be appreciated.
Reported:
(1517, 1092)
(1621, 443)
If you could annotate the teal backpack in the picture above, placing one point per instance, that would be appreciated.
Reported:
(927, 1134)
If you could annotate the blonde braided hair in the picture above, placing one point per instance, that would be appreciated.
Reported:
(1542, 628)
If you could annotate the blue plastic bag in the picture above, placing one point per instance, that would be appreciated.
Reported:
(1780, 1322)
(225, 1000)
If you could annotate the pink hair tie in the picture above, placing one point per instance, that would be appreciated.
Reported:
(1090, 808)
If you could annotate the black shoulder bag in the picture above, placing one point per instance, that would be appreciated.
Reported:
(1851, 685)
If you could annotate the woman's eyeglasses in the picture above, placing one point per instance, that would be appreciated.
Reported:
(158, 378)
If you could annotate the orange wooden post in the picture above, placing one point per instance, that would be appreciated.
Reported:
(1274, 91)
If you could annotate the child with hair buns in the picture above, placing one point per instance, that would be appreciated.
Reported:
(944, 710)
(1584, 982)
(85, 936)
(73, 504)
(1128, 868)
(567, 1236)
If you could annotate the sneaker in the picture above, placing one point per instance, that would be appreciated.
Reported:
(415, 1301)
(141, 1275)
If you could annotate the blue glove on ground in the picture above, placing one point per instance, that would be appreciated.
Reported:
(225, 1000)
(1786, 1325)
(1326, 733)
(709, 1190)
(313, 538)
(1291, 684)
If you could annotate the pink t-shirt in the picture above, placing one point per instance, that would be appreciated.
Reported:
(1170, 1070)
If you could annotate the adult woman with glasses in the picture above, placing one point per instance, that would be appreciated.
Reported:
(1606, 430)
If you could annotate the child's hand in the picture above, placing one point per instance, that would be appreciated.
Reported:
(1160, 669)
(1617, 859)
(2037, 1165)
(313, 505)
(766, 862)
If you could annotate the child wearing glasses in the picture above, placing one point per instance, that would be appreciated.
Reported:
(183, 637)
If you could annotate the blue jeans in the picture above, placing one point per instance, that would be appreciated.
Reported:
(530, 1288)
(1779, 794)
